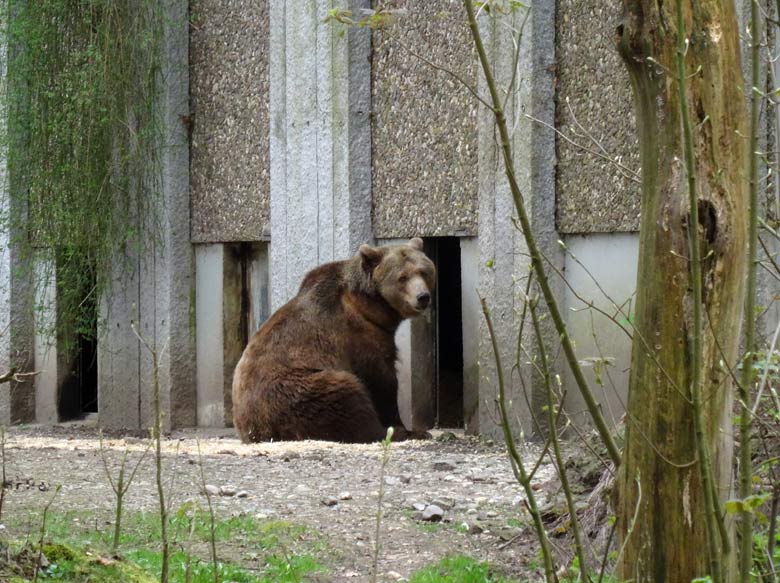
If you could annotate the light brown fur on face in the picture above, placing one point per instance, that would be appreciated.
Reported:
(406, 279)
(323, 366)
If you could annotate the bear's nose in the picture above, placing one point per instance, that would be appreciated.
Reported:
(423, 299)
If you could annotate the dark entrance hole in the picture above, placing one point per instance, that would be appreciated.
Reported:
(77, 329)
(448, 331)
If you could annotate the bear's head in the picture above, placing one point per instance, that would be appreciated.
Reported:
(402, 274)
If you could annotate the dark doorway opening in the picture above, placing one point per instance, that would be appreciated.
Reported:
(77, 329)
(245, 306)
(448, 331)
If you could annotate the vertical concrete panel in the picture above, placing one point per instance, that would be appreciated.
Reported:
(330, 64)
(320, 159)
(472, 316)
(209, 337)
(503, 259)
(302, 237)
(602, 269)
(278, 152)
(118, 349)
(354, 211)
(167, 293)
(46, 358)
(175, 273)
(403, 341)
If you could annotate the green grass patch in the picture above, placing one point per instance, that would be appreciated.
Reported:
(458, 569)
(68, 564)
(282, 551)
(184, 567)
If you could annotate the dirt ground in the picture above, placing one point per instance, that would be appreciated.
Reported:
(331, 488)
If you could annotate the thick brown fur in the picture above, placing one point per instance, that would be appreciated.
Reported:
(323, 366)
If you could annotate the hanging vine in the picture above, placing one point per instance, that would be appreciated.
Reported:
(83, 141)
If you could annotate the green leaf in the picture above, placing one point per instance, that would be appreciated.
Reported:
(734, 506)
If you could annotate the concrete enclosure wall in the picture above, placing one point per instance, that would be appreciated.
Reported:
(289, 141)
(229, 120)
(424, 125)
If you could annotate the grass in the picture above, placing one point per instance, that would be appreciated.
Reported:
(458, 569)
(283, 552)
(250, 551)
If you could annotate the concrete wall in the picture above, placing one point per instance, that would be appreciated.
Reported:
(155, 288)
(601, 272)
(229, 120)
(503, 256)
(595, 109)
(425, 124)
(320, 140)
(47, 379)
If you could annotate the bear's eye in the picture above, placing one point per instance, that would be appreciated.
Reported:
(403, 279)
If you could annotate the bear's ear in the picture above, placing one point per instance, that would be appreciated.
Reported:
(416, 243)
(371, 256)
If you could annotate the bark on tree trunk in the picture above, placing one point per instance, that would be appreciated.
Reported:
(659, 480)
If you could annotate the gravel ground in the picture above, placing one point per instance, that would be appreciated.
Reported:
(330, 488)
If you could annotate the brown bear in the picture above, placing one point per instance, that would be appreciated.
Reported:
(323, 365)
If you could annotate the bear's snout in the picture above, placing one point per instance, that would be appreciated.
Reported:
(423, 299)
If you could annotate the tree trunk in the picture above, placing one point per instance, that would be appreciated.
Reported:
(661, 502)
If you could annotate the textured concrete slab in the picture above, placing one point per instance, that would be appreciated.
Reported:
(229, 120)
(595, 108)
(425, 124)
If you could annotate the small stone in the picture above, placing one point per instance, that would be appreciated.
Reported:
(345, 496)
(441, 466)
(211, 490)
(405, 478)
(392, 480)
(329, 501)
(227, 491)
(432, 513)
(444, 502)
(242, 494)
(226, 452)
(394, 575)
(491, 514)
(419, 506)
(302, 489)
(476, 529)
